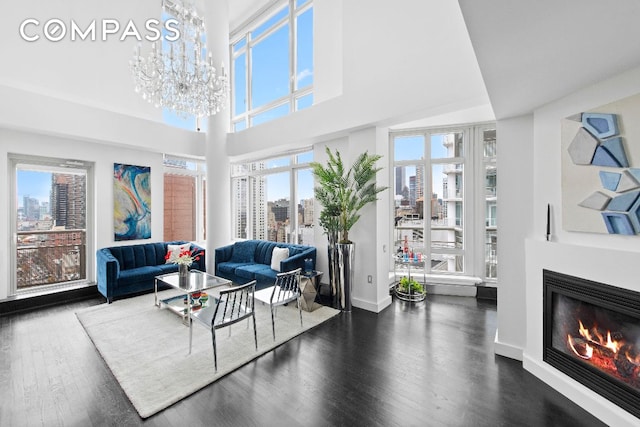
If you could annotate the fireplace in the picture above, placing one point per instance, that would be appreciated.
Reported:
(591, 332)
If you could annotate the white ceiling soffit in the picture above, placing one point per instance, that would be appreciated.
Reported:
(533, 52)
(241, 10)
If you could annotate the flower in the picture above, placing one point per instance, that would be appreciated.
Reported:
(185, 257)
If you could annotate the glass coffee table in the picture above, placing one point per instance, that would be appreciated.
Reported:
(183, 304)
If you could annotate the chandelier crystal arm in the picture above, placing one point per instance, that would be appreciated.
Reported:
(179, 74)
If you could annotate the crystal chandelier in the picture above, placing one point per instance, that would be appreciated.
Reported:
(179, 74)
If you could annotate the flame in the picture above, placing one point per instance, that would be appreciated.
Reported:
(613, 345)
(588, 350)
(584, 331)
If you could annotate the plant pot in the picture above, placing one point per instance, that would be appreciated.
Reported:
(346, 256)
(332, 252)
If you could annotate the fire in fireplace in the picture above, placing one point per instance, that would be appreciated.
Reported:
(592, 334)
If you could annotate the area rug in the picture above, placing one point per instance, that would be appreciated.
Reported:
(146, 347)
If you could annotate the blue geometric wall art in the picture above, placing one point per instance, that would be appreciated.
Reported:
(601, 168)
(618, 223)
(603, 157)
(610, 180)
(635, 172)
(597, 201)
(634, 215)
(601, 125)
(627, 182)
(614, 146)
(583, 147)
(623, 202)
(621, 216)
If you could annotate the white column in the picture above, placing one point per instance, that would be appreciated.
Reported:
(218, 175)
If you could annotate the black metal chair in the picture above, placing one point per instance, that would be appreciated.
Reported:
(234, 305)
(285, 290)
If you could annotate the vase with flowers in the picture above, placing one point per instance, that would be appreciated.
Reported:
(184, 259)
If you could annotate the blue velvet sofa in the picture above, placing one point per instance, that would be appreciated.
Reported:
(131, 269)
(247, 260)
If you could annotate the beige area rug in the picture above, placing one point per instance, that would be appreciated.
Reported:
(146, 347)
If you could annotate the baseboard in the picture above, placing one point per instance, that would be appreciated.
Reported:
(506, 350)
(487, 292)
(450, 289)
(30, 302)
(370, 306)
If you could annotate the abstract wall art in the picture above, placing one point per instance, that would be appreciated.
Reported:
(601, 169)
(131, 202)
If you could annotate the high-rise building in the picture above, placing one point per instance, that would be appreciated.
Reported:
(281, 210)
(412, 191)
(240, 191)
(31, 208)
(400, 177)
(307, 218)
(68, 207)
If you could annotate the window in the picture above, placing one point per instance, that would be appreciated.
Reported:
(50, 209)
(272, 65)
(184, 199)
(491, 222)
(272, 199)
(443, 229)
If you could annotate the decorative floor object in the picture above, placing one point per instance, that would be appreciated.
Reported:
(146, 348)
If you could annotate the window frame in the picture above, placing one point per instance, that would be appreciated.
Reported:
(474, 199)
(61, 165)
(243, 170)
(243, 36)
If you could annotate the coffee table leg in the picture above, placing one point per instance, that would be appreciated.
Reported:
(155, 290)
(189, 320)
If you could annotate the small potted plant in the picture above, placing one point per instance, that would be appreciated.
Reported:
(410, 290)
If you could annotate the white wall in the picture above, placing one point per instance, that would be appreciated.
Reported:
(515, 217)
(94, 73)
(103, 156)
(610, 259)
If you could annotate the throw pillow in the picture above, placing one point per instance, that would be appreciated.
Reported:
(279, 254)
(174, 251)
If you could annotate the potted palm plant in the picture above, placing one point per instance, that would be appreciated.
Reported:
(343, 193)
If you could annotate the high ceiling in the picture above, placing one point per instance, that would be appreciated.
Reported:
(241, 10)
(533, 52)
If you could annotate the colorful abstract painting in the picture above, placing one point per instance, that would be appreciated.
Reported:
(131, 202)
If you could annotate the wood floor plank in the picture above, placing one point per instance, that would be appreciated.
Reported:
(429, 364)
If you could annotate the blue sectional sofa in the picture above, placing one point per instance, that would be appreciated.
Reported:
(247, 260)
(131, 269)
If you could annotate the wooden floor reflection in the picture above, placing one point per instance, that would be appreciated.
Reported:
(414, 364)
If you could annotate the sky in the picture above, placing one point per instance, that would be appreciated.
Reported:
(413, 148)
(34, 184)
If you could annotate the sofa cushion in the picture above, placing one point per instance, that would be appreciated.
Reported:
(230, 267)
(140, 274)
(168, 268)
(249, 271)
(278, 255)
(243, 252)
(263, 252)
(266, 275)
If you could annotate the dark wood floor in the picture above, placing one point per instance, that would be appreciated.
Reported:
(428, 364)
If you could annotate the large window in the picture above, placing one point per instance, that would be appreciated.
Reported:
(440, 165)
(272, 199)
(272, 64)
(50, 209)
(184, 199)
